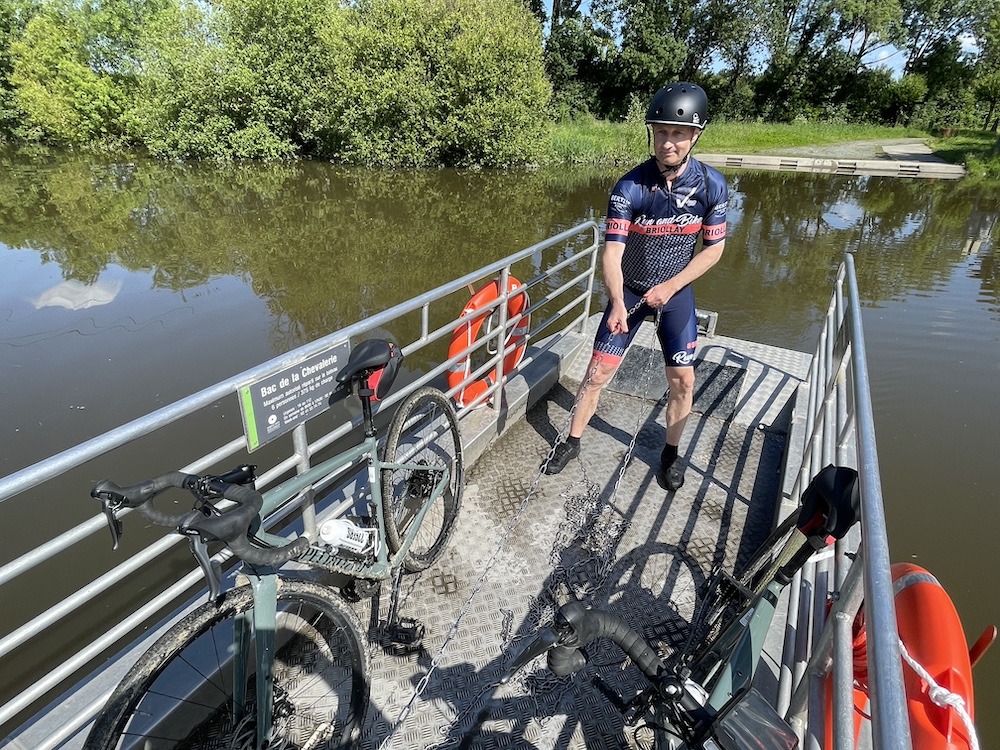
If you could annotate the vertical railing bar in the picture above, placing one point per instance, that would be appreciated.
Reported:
(300, 443)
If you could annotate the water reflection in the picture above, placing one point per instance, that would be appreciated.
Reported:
(128, 284)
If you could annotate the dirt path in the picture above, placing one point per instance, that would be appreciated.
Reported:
(906, 149)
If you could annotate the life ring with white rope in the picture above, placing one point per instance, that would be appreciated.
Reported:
(937, 664)
(476, 311)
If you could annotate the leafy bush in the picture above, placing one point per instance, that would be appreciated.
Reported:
(245, 80)
(424, 82)
(63, 99)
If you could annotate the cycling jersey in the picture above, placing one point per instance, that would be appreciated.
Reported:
(660, 227)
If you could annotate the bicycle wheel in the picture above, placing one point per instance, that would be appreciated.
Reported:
(725, 601)
(424, 433)
(180, 693)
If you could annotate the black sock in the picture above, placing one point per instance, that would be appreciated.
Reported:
(572, 440)
(669, 455)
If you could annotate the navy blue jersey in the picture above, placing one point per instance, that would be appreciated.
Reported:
(660, 227)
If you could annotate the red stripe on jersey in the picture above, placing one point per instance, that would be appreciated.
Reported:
(660, 230)
(618, 226)
(716, 232)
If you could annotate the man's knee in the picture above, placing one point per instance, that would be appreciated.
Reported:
(600, 371)
(680, 380)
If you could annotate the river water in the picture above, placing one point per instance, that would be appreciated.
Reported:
(126, 285)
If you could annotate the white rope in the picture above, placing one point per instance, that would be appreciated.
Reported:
(942, 696)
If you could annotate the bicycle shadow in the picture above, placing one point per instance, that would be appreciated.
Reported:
(643, 552)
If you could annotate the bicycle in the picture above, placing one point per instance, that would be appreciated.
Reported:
(701, 696)
(280, 662)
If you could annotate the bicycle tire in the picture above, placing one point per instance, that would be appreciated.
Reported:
(728, 601)
(177, 692)
(424, 430)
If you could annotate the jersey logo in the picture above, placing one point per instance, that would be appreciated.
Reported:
(686, 199)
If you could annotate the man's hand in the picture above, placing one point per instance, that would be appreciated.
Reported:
(618, 319)
(660, 294)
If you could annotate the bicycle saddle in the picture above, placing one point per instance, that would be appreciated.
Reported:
(376, 361)
(831, 503)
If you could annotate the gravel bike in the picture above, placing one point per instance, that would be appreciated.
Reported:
(701, 696)
(278, 661)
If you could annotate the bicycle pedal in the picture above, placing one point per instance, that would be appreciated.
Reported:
(405, 635)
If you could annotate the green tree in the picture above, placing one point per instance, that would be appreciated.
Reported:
(63, 99)
(987, 90)
(576, 55)
(653, 50)
(14, 16)
(423, 82)
(932, 25)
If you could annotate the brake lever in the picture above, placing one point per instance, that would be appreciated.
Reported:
(114, 524)
(212, 570)
(110, 503)
(545, 640)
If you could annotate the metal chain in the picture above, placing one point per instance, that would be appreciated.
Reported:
(582, 510)
(481, 581)
(603, 566)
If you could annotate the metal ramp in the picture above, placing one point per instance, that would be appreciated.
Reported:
(601, 531)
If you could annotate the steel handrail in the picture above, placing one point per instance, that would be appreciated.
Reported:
(839, 428)
(298, 460)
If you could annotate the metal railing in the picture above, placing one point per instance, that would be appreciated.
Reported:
(839, 429)
(560, 290)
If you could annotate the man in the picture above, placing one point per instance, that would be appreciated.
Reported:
(655, 215)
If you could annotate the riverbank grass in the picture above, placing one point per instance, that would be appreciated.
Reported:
(978, 150)
(600, 143)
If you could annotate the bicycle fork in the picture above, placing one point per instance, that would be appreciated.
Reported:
(256, 629)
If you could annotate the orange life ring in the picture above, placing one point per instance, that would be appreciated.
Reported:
(467, 331)
(931, 630)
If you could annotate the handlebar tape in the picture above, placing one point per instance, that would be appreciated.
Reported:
(230, 527)
(138, 495)
(591, 624)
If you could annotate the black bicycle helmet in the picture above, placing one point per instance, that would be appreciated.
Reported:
(679, 104)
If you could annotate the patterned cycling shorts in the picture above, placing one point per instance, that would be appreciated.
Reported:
(677, 332)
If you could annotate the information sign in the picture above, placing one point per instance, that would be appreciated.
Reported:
(275, 404)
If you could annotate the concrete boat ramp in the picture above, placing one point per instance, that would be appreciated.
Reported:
(603, 531)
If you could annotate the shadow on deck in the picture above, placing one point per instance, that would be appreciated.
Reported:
(604, 531)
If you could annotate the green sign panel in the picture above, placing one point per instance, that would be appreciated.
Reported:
(275, 404)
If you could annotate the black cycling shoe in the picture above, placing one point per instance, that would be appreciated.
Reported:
(563, 454)
(673, 475)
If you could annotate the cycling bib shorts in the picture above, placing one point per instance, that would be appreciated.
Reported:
(677, 332)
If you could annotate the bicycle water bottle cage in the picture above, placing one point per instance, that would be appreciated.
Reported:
(831, 504)
(371, 369)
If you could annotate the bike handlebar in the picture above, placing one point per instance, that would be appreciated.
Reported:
(576, 627)
(590, 624)
(208, 521)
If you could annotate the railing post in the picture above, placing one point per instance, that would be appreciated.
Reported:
(498, 373)
(300, 444)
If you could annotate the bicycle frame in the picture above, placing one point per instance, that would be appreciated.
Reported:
(261, 621)
(730, 664)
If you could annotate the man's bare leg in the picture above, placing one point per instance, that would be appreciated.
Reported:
(587, 396)
(679, 402)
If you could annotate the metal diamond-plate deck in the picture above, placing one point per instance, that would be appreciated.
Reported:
(605, 531)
